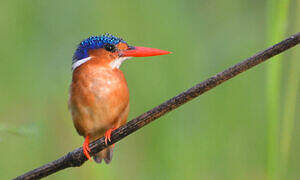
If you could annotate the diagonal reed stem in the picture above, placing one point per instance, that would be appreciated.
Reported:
(76, 158)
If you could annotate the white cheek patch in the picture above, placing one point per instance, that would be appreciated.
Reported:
(79, 62)
(117, 62)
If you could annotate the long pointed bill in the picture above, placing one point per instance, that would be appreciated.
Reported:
(143, 52)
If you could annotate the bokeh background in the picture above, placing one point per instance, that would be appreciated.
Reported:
(247, 128)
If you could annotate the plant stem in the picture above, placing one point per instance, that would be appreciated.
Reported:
(76, 158)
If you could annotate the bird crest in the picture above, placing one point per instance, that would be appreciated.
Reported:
(94, 42)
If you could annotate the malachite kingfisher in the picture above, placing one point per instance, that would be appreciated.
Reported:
(99, 96)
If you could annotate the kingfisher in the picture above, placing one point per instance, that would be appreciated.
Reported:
(99, 95)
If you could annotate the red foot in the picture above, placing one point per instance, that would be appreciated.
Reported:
(86, 148)
(108, 135)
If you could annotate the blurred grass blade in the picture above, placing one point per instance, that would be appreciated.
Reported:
(26, 130)
(277, 22)
(289, 112)
(290, 106)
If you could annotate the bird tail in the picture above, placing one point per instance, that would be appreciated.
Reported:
(105, 154)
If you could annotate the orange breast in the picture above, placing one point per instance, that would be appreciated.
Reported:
(99, 98)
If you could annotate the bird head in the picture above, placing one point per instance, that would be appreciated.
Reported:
(110, 50)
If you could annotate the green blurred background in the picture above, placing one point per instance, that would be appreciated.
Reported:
(235, 131)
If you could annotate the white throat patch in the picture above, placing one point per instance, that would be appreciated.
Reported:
(117, 62)
(114, 64)
(79, 62)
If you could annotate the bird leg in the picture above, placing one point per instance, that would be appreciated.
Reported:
(86, 148)
(108, 135)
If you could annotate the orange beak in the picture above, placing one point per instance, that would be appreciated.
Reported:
(142, 52)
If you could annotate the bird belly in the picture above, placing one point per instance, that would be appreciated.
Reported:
(98, 102)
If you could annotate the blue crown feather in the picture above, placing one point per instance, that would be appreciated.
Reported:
(94, 42)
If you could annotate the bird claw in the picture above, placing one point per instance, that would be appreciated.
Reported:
(86, 148)
(108, 135)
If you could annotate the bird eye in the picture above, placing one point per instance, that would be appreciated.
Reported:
(109, 47)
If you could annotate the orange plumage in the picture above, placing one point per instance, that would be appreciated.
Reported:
(99, 96)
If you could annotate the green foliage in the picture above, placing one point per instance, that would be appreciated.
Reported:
(221, 135)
